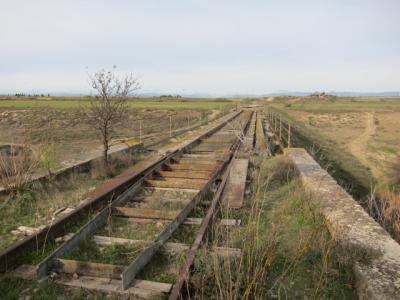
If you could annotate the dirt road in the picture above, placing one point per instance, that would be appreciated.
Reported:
(358, 147)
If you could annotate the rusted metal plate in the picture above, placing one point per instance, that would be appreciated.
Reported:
(176, 183)
(184, 174)
(145, 213)
(234, 192)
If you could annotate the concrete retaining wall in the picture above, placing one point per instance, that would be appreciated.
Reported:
(379, 278)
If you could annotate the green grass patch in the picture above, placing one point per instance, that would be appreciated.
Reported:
(76, 104)
(123, 228)
(12, 288)
(110, 254)
(35, 204)
(163, 267)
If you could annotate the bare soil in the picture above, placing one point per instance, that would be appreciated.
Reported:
(358, 147)
(372, 137)
(74, 140)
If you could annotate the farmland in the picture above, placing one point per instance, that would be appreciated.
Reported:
(138, 103)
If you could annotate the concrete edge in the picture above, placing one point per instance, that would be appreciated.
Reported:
(349, 223)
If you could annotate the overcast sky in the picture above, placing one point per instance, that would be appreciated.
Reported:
(219, 47)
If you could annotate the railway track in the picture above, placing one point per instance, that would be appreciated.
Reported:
(156, 224)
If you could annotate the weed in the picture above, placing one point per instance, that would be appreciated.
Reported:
(17, 166)
(48, 159)
(12, 288)
(287, 251)
(384, 207)
(35, 204)
(396, 172)
(110, 254)
(163, 267)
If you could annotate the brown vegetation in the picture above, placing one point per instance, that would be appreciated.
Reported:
(17, 164)
(384, 205)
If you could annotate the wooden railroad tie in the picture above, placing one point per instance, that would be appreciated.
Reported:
(176, 183)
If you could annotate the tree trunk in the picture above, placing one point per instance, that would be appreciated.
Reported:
(105, 148)
(105, 155)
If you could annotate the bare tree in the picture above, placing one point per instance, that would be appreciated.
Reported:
(108, 108)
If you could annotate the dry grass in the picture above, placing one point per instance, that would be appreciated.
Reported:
(384, 207)
(117, 162)
(77, 141)
(396, 172)
(35, 204)
(345, 136)
(384, 204)
(287, 251)
(17, 165)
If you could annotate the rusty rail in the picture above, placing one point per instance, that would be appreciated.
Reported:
(184, 274)
(98, 199)
(146, 255)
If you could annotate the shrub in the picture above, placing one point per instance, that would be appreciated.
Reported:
(17, 166)
(48, 158)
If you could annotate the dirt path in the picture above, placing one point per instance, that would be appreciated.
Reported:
(358, 147)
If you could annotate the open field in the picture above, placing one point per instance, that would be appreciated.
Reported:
(340, 104)
(140, 103)
(361, 134)
(73, 139)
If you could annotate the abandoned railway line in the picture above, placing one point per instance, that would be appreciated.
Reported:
(144, 232)
(143, 214)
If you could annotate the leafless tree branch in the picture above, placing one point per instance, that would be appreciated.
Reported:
(110, 105)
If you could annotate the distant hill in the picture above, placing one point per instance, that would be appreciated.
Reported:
(235, 95)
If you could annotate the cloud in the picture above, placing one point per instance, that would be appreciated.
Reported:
(207, 46)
